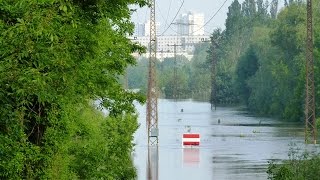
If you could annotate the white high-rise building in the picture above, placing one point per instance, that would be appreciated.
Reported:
(139, 29)
(190, 32)
(147, 28)
(191, 24)
(183, 25)
(143, 29)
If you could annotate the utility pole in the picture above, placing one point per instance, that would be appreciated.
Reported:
(213, 79)
(213, 73)
(175, 79)
(310, 119)
(175, 74)
(152, 102)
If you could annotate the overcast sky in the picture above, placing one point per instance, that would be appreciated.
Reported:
(166, 12)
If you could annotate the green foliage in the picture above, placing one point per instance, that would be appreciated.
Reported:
(282, 68)
(298, 167)
(261, 58)
(192, 80)
(246, 68)
(101, 147)
(234, 18)
(137, 74)
(232, 43)
(55, 56)
(200, 70)
(94, 146)
(167, 81)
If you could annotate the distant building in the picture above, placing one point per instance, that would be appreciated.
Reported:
(143, 29)
(165, 48)
(139, 29)
(190, 24)
(190, 28)
(147, 28)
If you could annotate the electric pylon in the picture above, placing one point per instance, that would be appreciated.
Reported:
(152, 101)
(175, 95)
(175, 69)
(310, 129)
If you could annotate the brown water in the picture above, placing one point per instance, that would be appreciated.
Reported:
(239, 147)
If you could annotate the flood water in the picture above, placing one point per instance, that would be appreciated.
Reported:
(239, 147)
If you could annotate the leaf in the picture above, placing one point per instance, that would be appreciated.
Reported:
(64, 8)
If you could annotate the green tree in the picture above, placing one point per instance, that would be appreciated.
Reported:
(249, 8)
(55, 55)
(200, 81)
(246, 68)
(234, 18)
(168, 83)
(137, 74)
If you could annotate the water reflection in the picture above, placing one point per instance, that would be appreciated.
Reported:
(152, 163)
(191, 156)
(238, 147)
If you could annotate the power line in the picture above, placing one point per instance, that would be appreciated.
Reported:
(214, 15)
(173, 18)
(168, 12)
(183, 7)
(166, 22)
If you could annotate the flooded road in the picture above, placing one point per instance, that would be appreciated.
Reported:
(239, 147)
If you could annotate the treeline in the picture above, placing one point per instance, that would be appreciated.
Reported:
(259, 61)
(191, 80)
(261, 57)
(57, 58)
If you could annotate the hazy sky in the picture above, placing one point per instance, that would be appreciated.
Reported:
(165, 12)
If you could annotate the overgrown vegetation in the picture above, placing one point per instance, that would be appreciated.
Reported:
(298, 167)
(56, 57)
(191, 80)
(261, 58)
(260, 61)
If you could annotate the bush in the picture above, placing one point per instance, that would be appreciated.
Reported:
(98, 147)
(298, 167)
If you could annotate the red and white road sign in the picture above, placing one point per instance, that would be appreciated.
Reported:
(191, 139)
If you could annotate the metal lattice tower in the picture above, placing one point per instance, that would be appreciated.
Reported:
(152, 102)
(310, 129)
(175, 93)
(175, 75)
